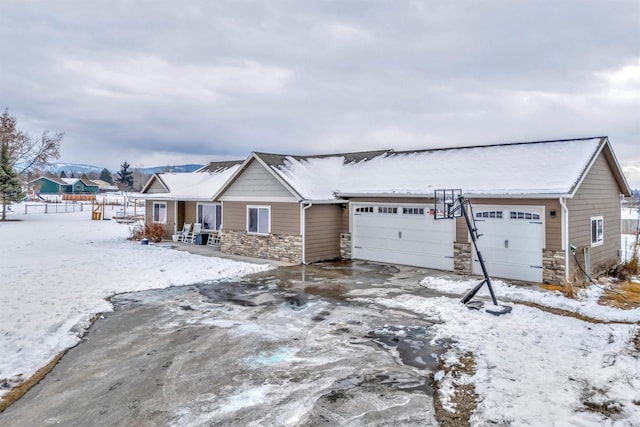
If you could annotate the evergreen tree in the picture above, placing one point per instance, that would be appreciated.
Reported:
(105, 175)
(10, 189)
(63, 174)
(125, 176)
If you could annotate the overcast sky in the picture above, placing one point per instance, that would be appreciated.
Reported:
(157, 82)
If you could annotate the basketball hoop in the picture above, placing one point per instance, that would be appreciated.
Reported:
(444, 201)
(449, 204)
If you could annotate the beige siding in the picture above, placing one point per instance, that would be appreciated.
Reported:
(169, 226)
(323, 224)
(553, 224)
(256, 181)
(598, 195)
(190, 212)
(156, 187)
(285, 217)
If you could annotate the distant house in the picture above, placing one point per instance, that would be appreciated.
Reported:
(104, 186)
(533, 202)
(57, 185)
(175, 198)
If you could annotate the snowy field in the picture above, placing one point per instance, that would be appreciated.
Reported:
(57, 270)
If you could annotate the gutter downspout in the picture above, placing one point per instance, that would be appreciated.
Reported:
(565, 236)
(303, 228)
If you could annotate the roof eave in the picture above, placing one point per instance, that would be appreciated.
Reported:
(605, 147)
(470, 194)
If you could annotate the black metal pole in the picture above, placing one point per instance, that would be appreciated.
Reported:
(473, 232)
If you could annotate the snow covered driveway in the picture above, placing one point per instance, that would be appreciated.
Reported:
(359, 351)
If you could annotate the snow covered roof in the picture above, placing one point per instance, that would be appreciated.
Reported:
(199, 185)
(72, 181)
(528, 169)
(66, 181)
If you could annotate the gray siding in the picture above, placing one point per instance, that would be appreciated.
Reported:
(598, 195)
(156, 187)
(285, 217)
(323, 225)
(256, 181)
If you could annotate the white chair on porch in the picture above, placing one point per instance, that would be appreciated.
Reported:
(182, 235)
(191, 237)
(214, 239)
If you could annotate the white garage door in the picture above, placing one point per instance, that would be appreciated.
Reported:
(511, 241)
(402, 234)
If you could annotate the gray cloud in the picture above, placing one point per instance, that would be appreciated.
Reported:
(160, 81)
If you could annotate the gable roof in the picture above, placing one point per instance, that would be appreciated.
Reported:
(275, 162)
(53, 179)
(524, 169)
(73, 181)
(200, 185)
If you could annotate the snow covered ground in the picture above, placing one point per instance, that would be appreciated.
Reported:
(534, 368)
(628, 243)
(57, 270)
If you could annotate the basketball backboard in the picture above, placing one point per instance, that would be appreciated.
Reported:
(445, 200)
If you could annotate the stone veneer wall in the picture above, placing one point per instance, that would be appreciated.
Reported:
(462, 258)
(553, 267)
(278, 247)
(345, 245)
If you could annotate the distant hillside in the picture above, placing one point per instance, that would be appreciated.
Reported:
(79, 169)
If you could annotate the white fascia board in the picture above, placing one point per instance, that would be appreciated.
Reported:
(168, 197)
(258, 199)
(518, 196)
(325, 202)
(473, 195)
(388, 195)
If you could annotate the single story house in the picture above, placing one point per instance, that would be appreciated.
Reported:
(57, 185)
(104, 186)
(175, 198)
(545, 209)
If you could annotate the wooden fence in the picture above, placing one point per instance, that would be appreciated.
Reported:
(79, 197)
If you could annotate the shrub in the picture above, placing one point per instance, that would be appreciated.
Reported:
(154, 232)
(136, 231)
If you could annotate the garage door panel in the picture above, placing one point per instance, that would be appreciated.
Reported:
(511, 246)
(403, 238)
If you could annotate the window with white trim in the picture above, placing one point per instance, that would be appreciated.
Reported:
(524, 215)
(597, 230)
(413, 211)
(489, 214)
(387, 210)
(259, 219)
(209, 215)
(160, 212)
(365, 209)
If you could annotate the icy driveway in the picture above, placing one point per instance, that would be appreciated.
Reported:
(254, 352)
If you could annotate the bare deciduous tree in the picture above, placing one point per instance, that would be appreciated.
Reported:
(26, 153)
